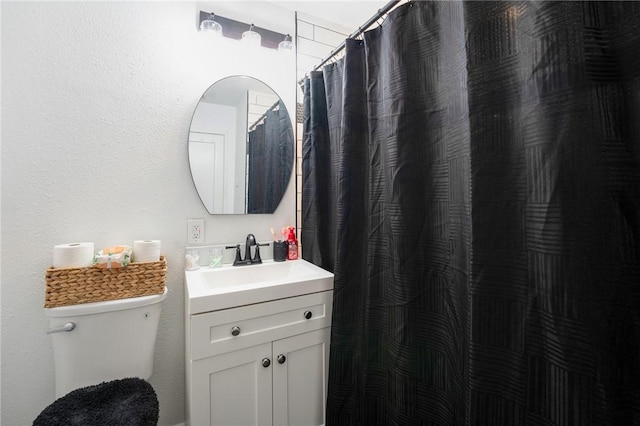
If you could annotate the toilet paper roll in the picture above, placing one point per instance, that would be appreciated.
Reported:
(146, 250)
(73, 255)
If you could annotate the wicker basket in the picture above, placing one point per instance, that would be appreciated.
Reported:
(73, 286)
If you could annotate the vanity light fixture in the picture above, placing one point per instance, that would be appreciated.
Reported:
(236, 30)
(251, 37)
(209, 25)
(285, 45)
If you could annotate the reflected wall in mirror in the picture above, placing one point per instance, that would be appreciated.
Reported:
(241, 147)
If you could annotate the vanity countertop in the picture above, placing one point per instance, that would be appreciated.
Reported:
(210, 289)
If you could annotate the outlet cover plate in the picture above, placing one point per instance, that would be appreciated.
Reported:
(195, 231)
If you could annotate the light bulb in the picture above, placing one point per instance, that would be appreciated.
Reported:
(211, 26)
(285, 45)
(251, 37)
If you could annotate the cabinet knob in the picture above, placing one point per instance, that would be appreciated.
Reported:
(281, 359)
(266, 362)
(235, 331)
(308, 314)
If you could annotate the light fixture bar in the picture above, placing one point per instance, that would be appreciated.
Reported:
(233, 29)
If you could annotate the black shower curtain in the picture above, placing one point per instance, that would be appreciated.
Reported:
(471, 174)
(269, 152)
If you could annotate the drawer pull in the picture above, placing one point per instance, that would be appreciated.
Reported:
(266, 362)
(235, 331)
(281, 359)
(308, 314)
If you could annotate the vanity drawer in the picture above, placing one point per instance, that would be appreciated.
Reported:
(227, 330)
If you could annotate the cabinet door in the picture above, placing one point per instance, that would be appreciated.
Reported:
(233, 388)
(300, 378)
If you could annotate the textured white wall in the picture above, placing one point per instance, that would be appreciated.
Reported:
(97, 98)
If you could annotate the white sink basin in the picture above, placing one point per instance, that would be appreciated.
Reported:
(210, 289)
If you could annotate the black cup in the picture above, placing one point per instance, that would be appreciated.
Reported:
(280, 250)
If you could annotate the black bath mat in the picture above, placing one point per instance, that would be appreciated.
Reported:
(131, 402)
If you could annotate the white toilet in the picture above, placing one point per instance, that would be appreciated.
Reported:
(108, 340)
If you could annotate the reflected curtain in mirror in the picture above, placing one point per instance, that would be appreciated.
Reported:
(269, 150)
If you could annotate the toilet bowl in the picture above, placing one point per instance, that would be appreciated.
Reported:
(103, 341)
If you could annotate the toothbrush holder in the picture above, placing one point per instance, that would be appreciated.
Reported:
(280, 250)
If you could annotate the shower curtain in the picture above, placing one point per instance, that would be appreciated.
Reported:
(269, 152)
(471, 175)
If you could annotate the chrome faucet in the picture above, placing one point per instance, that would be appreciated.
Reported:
(248, 259)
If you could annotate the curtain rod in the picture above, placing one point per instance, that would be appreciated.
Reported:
(381, 12)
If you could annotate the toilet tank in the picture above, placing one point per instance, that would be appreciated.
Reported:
(111, 340)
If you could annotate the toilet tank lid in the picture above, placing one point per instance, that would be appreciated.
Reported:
(106, 306)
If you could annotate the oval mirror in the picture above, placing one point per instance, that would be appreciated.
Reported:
(240, 147)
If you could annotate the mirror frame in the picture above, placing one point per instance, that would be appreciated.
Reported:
(281, 151)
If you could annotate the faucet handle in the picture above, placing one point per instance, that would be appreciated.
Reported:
(238, 254)
(256, 257)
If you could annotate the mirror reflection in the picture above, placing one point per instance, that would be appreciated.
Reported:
(240, 147)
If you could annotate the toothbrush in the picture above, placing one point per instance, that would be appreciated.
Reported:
(275, 237)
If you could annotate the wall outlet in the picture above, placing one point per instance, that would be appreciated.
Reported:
(195, 231)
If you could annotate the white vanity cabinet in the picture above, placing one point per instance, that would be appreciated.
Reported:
(260, 364)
